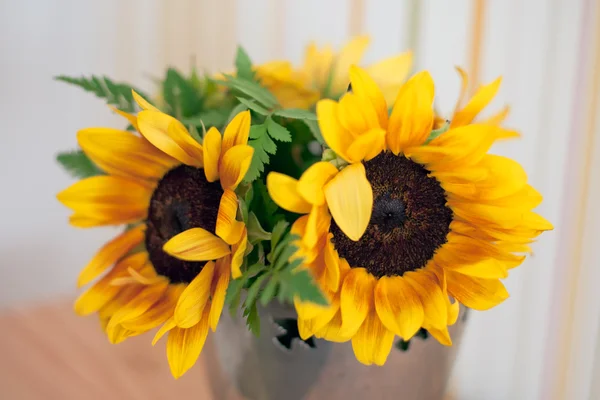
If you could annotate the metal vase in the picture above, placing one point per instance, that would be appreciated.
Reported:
(242, 365)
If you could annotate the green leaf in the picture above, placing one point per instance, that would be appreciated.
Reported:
(256, 233)
(117, 94)
(255, 289)
(236, 110)
(257, 131)
(315, 130)
(180, 94)
(262, 144)
(282, 258)
(254, 106)
(438, 132)
(78, 164)
(243, 64)
(194, 133)
(253, 320)
(277, 131)
(233, 294)
(269, 291)
(296, 113)
(304, 287)
(278, 231)
(216, 118)
(251, 89)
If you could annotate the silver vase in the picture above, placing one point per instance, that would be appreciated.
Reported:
(241, 365)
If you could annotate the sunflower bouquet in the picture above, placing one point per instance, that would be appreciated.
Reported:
(333, 188)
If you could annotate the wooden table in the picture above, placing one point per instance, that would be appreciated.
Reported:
(48, 352)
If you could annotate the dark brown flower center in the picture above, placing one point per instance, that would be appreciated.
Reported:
(410, 219)
(183, 199)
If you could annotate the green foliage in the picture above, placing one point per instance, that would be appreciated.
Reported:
(236, 110)
(243, 65)
(250, 89)
(256, 232)
(315, 130)
(116, 94)
(263, 206)
(252, 319)
(261, 139)
(78, 164)
(254, 106)
(296, 113)
(181, 95)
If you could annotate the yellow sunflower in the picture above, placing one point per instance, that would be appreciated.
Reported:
(173, 265)
(325, 73)
(408, 221)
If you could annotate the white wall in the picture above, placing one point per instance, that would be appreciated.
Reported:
(537, 45)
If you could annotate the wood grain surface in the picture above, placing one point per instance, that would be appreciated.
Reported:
(47, 352)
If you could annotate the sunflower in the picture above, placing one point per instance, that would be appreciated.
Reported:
(325, 74)
(173, 265)
(405, 221)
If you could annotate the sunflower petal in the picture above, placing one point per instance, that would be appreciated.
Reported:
(429, 290)
(365, 88)
(166, 327)
(158, 313)
(212, 152)
(234, 165)
(219, 290)
(196, 244)
(332, 331)
(399, 306)
(390, 73)
(441, 335)
(350, 200)
(412, 117)
(109, 200)
(145, 105)
(170, 136)
(334, 134)
(477, 103)
(237, 131)
(313, 180)
(129, 117)
(239, 250)
(476, 293)
(228, 228)
(367, 146)
(110, 253)
(356, 299)
(284, 192)
(317, 226)
(185, 345)
(194, 298)
(350, 54)
(121, 153)
(373, 341)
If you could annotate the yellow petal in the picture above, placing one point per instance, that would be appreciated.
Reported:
(129, 117)
(476, 293)
(477, 103)
(234, 165)
(499, 117)
(194, 298)
(350, 54)
(350, 200)
(332, 268)
(284, 192)
(354, 116)
(433, 299)
(390, 73)
(110, 253)
(219, 290)
(185, 345)
(145, 105)
(412, 117)
(107, 199)
(356, 299)
(364, 87)
(212, 153)
(399, 306)
(317, 226)
(228, 228)
(334, 134)
(133, 309)
(311, 183)
(166, 327)
(121, 153)
(158, 313)
(170, 136)
(236, 133)
(464, 86)
(373, 341)
(196, 244)
(441, 335)
(367, 146)
(239, 250)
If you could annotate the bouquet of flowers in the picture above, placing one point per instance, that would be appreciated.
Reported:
(332, 187)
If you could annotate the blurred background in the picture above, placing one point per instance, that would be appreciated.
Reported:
(542, 343)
